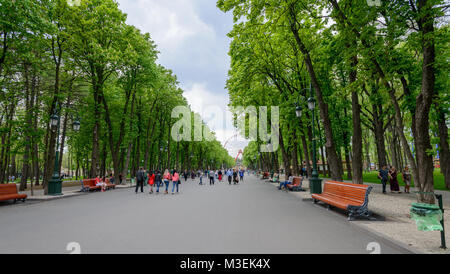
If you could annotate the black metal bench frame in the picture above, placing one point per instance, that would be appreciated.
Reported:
(358, 211)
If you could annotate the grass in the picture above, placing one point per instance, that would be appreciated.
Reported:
(372, 177)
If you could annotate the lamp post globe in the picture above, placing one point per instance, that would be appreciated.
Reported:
(311, 103)
(298, 111)
(76, 126)
(54, 119)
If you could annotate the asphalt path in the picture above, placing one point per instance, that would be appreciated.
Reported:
(250, 218)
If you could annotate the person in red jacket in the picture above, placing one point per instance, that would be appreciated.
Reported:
(151, 181)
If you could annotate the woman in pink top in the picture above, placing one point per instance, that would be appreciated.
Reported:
(176, 181)
(167, 178)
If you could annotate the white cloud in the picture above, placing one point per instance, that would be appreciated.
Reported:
(170, 23)
(213, 108)
(191, 36)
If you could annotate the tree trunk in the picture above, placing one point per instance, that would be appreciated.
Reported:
(444, 151)
(323, 107)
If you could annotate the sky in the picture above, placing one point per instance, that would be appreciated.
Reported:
(191, 36)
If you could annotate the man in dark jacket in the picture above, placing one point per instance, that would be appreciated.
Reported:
(158, 180)
(140, 176)
(383, 175)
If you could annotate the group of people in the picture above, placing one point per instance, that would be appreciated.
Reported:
(233, 175)
(156, 179)
(391, 175)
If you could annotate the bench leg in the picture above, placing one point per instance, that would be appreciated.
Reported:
(315, 201)
(23, 200)
(328, 207)
(15, 201)
(351, 217)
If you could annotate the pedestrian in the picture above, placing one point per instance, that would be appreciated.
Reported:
(145, 177)
(211, 177)
(229, 176)
(175, 180)
(158, 180)
(383, 175)
(120, 178)
(220, 175)
(185, 175)
(241, 175)
(394, 180)
(201, 178)
(235, 177)
(140, 176)
(407, 179)
(151, 181)
(111, 178)
(167, 178)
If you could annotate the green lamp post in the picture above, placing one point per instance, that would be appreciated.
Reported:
(55, 183)
(315, 183)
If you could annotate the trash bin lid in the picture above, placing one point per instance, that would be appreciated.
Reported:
(425, 206)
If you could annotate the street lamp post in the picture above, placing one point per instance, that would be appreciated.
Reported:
(315, 183)
(55, 183)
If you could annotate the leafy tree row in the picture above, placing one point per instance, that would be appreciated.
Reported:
(84, 63)
(379, 75)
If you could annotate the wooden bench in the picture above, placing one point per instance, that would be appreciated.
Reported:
(9, 192)
(347, 196)
(296, 184)
(109, 185)
(89, 185)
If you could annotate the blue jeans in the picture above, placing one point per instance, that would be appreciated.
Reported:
(158, 184)
(283, 184)
(175, 183)
(167, 185)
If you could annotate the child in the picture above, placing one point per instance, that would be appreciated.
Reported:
(151, 181)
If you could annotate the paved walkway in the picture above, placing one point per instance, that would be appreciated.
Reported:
(394, 220)
(249, 218)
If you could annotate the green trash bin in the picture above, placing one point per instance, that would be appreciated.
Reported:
(428, 217)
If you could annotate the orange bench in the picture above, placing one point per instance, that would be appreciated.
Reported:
(9, 192)
(296, 184)
(347, 196)
(109, 185)
(89, 185)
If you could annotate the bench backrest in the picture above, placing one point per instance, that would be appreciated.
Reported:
(6, 189)
(89, 182)
(354, 192)
(296, 181)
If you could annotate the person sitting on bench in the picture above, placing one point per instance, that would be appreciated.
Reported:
(285, 183)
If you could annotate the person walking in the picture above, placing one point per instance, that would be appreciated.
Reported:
(229, 176)
(201, 178)
(235, 177)
(383, 175)
(220, 175)
(211, 177)
(158, 180)
(395, 187)
(151, 181)
(185, 175)
(167, 178)
(241, 175)
(407, 179)
(140, 180)
(145, 177)
(175, 180)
